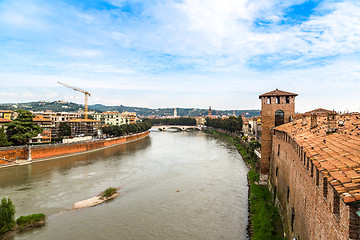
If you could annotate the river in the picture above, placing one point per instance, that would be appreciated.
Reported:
(174, 185)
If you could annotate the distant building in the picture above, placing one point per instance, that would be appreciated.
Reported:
(46, 125)
(111, 118)
(3, 121)
(175, 113)
(84, 127)
(130, 115)
(7, 114)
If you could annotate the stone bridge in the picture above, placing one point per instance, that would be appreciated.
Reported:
(178, 127)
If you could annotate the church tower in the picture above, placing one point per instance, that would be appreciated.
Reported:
(277, 107)
(209, 113)
(175, 113)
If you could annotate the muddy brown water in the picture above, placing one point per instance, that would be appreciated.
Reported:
(174, 185)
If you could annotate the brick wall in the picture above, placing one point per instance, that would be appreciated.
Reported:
(309, 205)
(46, 151)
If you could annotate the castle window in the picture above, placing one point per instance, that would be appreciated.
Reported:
(336, 205)
(279, 117)
(276, 171)
(287, 99)
(292, 218)
(312, 170)
(325, 189)
(268, 100)
(277, 100)
(317, 177)
(288, 194)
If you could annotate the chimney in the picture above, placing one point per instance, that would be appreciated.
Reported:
(303, 120)
(331, 122)
(314, 123)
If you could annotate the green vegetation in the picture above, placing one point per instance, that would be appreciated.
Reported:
(175, 121)
(7, 215)
(64, 130)
(3, 138)
(265, 220)
(117, 131)
(109, 192)
(26, 221)
(20, 130)
(231, 124)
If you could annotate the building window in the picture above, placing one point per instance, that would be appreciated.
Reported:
(268, 100)
(278, 149)
(276, 171)
(287, 99)
(312, 170)
(277, 100)
(336, 207)
(279, 117)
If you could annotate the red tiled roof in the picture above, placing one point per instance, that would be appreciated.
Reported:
(41, 118)
(4, 120)
(336, 155)
(277, 92)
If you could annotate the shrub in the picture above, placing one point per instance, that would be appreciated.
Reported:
(7, 215)
(25, 221)
(108, 192)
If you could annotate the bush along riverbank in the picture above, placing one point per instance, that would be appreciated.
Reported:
(264, 219)
(8, 225)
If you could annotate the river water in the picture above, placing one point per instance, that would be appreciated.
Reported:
(174, 185)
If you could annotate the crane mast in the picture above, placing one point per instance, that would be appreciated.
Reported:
(87, 94)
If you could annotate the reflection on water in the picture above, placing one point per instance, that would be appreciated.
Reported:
(183, 185)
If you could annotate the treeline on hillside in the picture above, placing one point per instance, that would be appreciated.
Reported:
(231, 124)
(117, 131)
(174, 121)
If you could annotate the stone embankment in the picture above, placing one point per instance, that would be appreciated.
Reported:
(19, 155)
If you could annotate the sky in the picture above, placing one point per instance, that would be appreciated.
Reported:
(181, 53)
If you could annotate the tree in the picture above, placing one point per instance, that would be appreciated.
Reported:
(3, 138)
(64, 130)
(7, 215)
(20, 130)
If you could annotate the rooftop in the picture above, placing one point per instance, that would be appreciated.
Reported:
(4, 120)
(41, 118)
(335, 155)
(277, 92)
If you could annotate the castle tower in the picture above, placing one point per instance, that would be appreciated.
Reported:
(175, 113)
(277, 107)
(209, 113)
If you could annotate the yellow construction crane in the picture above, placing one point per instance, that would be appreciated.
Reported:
(79, 90)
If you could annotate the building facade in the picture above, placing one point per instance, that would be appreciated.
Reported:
(46, 125)
(84, 127)
(111, 118)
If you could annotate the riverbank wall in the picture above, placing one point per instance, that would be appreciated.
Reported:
(24, 154)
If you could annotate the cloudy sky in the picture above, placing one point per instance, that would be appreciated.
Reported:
(181, 53)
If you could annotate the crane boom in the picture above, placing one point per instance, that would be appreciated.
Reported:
(87, 94)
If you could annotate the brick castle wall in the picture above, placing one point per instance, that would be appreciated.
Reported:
(306, 212)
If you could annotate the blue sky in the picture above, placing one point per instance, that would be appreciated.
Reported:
(190, 53)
